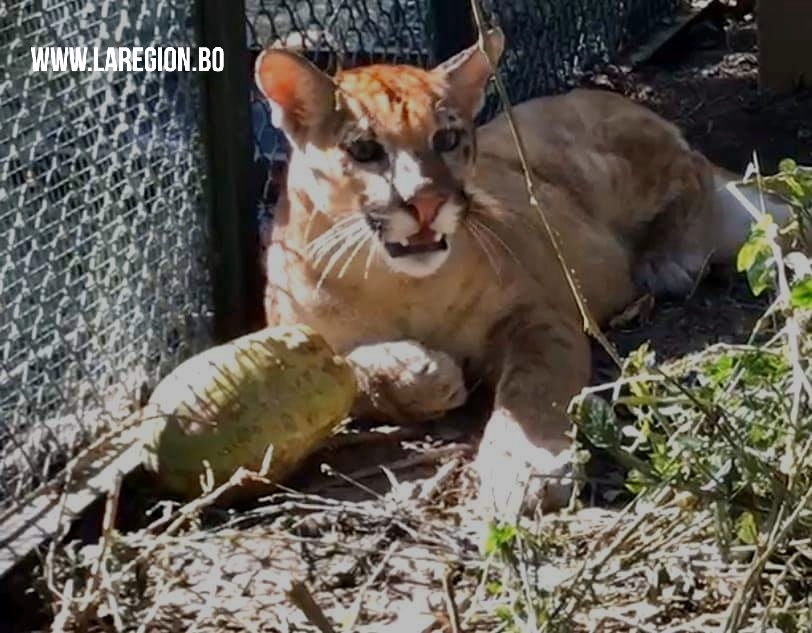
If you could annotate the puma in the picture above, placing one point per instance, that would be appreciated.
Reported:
(406, 238)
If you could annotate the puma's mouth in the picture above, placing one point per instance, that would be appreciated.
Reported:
(422, 242)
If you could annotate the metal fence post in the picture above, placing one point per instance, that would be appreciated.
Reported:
(453, 28)
(232, 192)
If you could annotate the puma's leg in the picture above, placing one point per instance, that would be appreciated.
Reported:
(524, 458)
(679, 242)
(404, 381)
(705, 223)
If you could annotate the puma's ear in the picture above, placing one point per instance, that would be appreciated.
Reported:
(467, 73)
(299, 93)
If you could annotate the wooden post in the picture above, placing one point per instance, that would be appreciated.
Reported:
(784, 43)
(235, 270)
(452, 29)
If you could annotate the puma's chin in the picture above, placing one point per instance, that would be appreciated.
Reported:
(420, 259)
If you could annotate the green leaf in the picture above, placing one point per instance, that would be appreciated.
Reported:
(748, 254)
(504, 614)
(796, 189)
(787, 166)
(747, 529)
(759, 366)
(662, 462)
(500, 537)
(493, 588)
(598, 422)
(720, 369)
(755, 258)
(639, 360)
(636, 482)
(801, 294)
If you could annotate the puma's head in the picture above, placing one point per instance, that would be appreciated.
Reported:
(382, 151)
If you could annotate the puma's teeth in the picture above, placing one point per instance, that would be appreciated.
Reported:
(438, 237)
(404, 242)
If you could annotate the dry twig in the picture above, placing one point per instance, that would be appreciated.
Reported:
(300, 596)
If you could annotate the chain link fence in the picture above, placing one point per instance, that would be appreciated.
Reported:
(548, 43)
(104, 282)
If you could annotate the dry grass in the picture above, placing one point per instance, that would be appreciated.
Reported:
(419, 559)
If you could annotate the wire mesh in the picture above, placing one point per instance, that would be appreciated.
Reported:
(548, 43)
(104, 279)
(330, 33)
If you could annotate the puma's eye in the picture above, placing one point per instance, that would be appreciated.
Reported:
(446, 140)
(366, 151)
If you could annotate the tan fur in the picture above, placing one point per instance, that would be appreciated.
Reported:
(632, 204)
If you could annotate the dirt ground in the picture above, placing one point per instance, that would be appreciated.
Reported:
(706, 81)
(341, 533)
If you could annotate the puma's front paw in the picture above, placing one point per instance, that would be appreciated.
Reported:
(403, 380)
(517, 476)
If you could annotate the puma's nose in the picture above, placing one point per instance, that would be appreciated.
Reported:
(425, 205)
